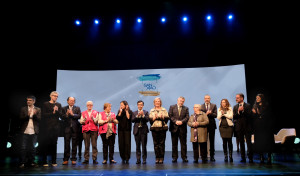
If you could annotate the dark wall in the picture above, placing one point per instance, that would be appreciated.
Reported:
(43, 38)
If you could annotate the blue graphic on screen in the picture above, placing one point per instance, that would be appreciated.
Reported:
(149, 82)
(115, 86)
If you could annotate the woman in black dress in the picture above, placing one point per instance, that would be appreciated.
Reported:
(263, 131)
(225, 116)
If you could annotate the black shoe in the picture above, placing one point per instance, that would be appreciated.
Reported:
(144, 162)
(243, 160)
(85, 162)
(174, 160)
(95, 162)
(226, 159)
(204, 160)
(212, 159)
(195, 161)
(126, 161)
(250, 160)
(185, 160)
(113, 162)
(138, 162)
(33, 165)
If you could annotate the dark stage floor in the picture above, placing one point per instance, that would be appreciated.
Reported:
(289, 165)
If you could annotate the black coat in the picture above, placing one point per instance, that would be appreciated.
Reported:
(24, 119)
(71, 121)
(263, 130)
(174, 116)
(243, 120)
(137, 120)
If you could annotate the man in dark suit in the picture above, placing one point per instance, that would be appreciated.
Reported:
(140, 131)
(243, 126)
(211, 111)
(71, 114)
(179, 116)
(29, 119)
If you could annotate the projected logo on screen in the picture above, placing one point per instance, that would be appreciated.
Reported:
(149, 83)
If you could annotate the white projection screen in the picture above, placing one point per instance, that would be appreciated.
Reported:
(113, 86)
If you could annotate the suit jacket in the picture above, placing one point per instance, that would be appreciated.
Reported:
(24, 119)
(242, 120)
(174, 116)
(136, 120)
(71, 121)
(203, 121)
(212, 116)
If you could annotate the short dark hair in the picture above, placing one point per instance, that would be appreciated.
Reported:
(242, 95)
(31, 97)
(70, 97)
(140, 101)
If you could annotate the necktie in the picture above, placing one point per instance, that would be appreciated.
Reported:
(179, 110)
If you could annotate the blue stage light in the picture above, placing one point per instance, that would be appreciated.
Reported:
(208, 17)
(118, 20)
(77, 22)
(163, 19)
(96, 21)
(230, 17)
(184, 19)
(139, 20)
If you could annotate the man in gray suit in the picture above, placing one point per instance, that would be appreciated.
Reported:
(211, 111)
(179, 116)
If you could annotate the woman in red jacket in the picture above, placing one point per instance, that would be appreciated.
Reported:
(89, 121)
(108, 130)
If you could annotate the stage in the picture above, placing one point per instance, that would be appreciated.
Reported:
(288, 165)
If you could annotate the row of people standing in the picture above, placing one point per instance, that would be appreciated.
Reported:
(202, 124)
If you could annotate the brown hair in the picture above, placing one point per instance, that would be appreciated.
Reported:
(106, 105)
(226, 106)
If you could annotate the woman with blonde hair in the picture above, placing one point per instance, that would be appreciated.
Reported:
(225, 116)
(158, 119)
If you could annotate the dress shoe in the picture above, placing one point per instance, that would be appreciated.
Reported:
(204, 160)
(243, 160)
(126, 161)
(138, 162)
(85, 162)
(113, 162)
(144, 162)
(104, 162)
(34, 164)
(174, 160)
(46, 165)
(156, 161)
(212, 159)
(73, 162)
(95, 162)
(22, 166)
(161, 161)
(65, 163)
(250, 160)
(54, 164)
(195, 161)
(185, 160)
